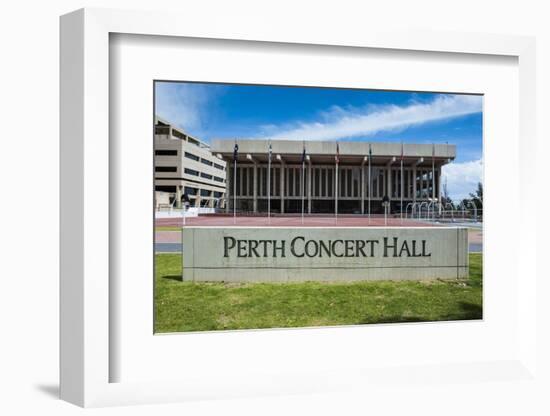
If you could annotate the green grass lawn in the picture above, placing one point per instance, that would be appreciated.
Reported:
(186, 306)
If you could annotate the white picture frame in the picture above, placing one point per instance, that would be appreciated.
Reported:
(87, 331)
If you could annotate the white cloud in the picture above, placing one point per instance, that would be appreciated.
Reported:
(462, 178)
(184, 104)
(339, 123)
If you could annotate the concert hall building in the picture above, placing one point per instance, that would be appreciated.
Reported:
(316, 183)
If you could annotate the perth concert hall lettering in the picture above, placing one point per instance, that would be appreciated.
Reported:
(300, 247)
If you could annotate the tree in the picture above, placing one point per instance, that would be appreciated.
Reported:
(477, 197)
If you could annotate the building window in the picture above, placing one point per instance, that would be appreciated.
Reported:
(277, 179)
(166, 169)
(190, 191)
(250, 181)
(206, 162)
(244, 189)
(317, 178)
(191, 172)
(330, 183)
(177, 134)
(220, 167)
(206, 175)
(218, 179)
(162, 129)
(205, 192)
(165, 188)
(165, 152)
(192, 156)
(218, 194)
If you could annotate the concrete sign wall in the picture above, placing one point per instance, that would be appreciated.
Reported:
(273, 254)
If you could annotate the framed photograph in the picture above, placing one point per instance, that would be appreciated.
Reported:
(282, 213)
(343, 219)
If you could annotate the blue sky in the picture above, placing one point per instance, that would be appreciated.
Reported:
(224, 111)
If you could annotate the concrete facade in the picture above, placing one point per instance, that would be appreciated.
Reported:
(259, 254)
(360, 178)
(185, 165)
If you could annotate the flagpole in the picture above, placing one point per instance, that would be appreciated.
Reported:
(235, 191)
(336, 194)
(235, 150)
(369, 183)
(401, 185)
(303, 189)
(303, 178)
(269, 185)
(433, 179)
(337, 159)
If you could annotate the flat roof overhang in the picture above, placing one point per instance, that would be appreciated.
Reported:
(350, 153)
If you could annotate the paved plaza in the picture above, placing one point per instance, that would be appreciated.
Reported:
(169, 241)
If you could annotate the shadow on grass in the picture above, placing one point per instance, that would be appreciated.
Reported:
(176, 277)
(467, 311)
(471, 310)
(395, 319)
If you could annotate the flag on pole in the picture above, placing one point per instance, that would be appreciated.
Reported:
(303, 178)
(235, 154)
(269, 181)
(369, 179)
(401, 187)
(337, 160)
(433, 179)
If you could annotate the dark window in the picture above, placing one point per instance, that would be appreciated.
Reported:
(190, 191)
(218, 179)
(290, 181)
(162, 129)
(262, 184)
(220, 167)
(238, 182)
(218, 194)
(317, 180)
(297, 183)
(250, 181)
(204, 192)
(166, 169)
(244, 190)
(276, 176)
(206, 162)
(163, 152)
(165, 188)
(330, 184)
(177, 134)
(206, 175)
(191, 156)
(191, 172)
